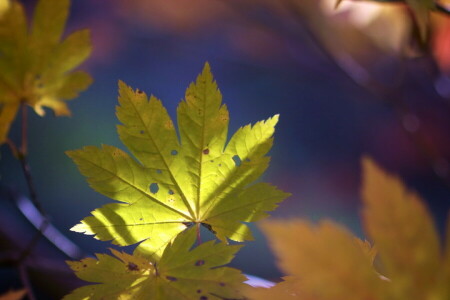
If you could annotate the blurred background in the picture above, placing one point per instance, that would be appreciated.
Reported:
(357, 80)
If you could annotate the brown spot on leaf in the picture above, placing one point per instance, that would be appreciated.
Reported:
(132, 267)
(171, 278)
(199, 262)
(206, 151)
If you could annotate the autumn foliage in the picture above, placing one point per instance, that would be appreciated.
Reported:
(325, 261)
(186, 174)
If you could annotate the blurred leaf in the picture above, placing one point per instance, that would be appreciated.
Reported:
(421, 10)
(4, 6)
(325, 262)
(407, 242)
(175, 184)
(288, 289)
(8, 112)
(13, 295)
(179, 274)
(36, 65)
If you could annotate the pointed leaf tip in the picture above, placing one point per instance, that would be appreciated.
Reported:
(179, 177)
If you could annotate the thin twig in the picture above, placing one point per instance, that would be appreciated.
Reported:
(37, 236)
(24, 145)
(21, 154)
(26, 281)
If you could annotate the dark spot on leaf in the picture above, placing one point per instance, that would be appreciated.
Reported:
(85, 266)
(154, 188)
(199, 291)
(221, 283)
(158, 171)
(203, 298)
(132, 267)
(171, 192)
(141, 132)
(199, 262)
(174, 152)
(247, 159)
(139, 91)
(237, 160)
(220, 165)
(140, 219)
(206, 151)
(211, 160)
(171, 278)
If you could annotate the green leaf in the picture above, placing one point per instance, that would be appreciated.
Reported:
(194, 180)
(180, 274)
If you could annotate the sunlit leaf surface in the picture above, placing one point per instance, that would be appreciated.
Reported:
(180, 179)
(180, 274)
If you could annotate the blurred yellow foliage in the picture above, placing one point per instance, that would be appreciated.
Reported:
(36, 65)
(326, 262)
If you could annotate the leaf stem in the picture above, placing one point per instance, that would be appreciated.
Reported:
(24, 145)
(21, 154)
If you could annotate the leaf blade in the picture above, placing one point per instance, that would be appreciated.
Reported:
(400, 225)
(136, 277)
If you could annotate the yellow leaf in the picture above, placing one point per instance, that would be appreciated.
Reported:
(36, 66)
(174, 183)
(288, 289)
(407, 242)
(7, 114)
(180, 274)
(326, 262)
(4, 6)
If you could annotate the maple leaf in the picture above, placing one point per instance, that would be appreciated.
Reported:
(179, 274)
(196, 180)
(326, 262)
(36, 65)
